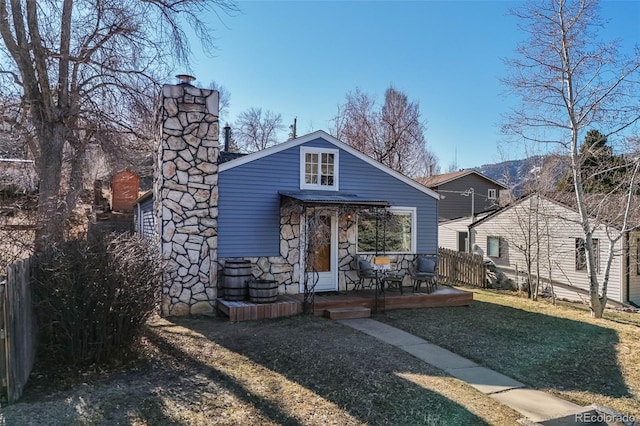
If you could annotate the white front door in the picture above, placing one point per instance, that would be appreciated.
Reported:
(322, 259)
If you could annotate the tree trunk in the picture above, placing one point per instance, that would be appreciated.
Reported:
(51, 213)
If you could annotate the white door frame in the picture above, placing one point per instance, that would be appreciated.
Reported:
(327, 281)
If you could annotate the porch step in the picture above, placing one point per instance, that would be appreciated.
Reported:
(347, 313)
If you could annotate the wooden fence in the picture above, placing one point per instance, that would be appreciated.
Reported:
(17, 330)
(461, 268)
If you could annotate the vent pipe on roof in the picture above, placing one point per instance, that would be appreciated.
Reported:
(227, 136)
(185, 79)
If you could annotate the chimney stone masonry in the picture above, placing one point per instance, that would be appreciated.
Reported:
(186, 198)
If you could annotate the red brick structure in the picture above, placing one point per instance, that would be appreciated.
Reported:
(124, 191)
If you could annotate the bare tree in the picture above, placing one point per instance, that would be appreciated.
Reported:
(79, 70)
(255, 131)
(225, 99)
(393, 134)
(569, 82)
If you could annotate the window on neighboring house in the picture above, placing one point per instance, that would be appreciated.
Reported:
(494, 247)
(394, 231)
(319, 168)
(581, 254)
(462, 241)
(492, 194)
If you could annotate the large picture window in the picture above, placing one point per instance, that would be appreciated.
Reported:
(581, 254)
(387, 231)
(318, 168)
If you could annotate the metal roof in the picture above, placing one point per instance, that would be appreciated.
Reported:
(332, 197)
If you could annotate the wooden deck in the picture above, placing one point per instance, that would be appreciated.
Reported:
(288, 305)
(285, 306)
(441, 297)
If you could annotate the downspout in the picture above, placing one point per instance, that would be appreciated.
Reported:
(627, 272)
(138, 221)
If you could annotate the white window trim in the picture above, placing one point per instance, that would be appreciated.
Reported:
(414, 230)
(313, 150)
(495, 194)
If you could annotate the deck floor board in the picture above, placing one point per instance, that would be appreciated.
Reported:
(291, 304)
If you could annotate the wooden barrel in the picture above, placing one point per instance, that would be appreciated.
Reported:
(263, 291)
(235, 276)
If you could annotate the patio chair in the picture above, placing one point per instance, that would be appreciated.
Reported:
(425, 269)
(366, 272)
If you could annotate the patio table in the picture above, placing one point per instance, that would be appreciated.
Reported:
(387, 276)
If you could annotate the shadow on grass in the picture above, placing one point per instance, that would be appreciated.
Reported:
(540, 350)
(112, 397)
(228, 382)
(354, 372)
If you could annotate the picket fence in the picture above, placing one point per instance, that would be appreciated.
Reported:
(461, 268)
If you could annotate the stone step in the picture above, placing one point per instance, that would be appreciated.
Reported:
(347, 313)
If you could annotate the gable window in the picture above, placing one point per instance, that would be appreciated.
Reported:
(581, 254)
(319, 168)
(387, 231)
(493, 247)
(492, 194)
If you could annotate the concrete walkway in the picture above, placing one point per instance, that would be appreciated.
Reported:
(538, 407)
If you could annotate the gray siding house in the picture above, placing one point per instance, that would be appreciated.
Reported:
(464, 191)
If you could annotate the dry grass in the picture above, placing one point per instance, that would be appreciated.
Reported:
(554, 348)
(294, 371)
(312, 371)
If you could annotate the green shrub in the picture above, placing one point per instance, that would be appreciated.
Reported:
(93, 296)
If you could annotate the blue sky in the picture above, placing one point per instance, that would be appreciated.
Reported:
(300, 58)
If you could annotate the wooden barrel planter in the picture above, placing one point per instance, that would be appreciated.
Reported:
(263, 291)
(235, 276)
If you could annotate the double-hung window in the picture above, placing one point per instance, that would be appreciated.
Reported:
(494, 247)
(319, 168)
(581, 254)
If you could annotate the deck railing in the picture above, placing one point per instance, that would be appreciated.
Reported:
(461, 268)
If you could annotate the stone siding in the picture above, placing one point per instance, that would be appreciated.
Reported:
(186, 203)
(285, 269)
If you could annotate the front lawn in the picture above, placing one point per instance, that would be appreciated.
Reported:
(554, 348)
(291, 371)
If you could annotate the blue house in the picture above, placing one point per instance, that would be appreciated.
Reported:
(299, 213)
(302, 210)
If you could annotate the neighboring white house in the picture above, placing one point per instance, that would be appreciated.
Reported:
(549, 235)
(453, 234)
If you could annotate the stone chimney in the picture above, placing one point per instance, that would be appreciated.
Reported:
(186, 197)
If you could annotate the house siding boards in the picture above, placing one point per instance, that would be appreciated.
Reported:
(249, 204)
(455, 205)
(634, 269)
(145, 218)
(564, 227)
(448, 232)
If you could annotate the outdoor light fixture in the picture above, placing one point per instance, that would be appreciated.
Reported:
(349, 219)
